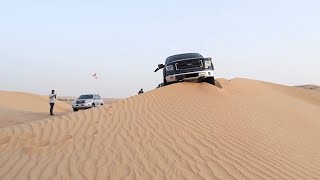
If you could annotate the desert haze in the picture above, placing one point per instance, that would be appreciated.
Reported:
(245, 130)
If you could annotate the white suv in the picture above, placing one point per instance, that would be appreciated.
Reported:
(87, 101)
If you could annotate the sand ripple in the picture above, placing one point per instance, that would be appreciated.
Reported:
(244, 130)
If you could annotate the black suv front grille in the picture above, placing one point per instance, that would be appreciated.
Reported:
(189, 64)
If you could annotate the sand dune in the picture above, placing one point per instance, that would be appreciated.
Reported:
(18, 107)
(310, 87)
(245, 130)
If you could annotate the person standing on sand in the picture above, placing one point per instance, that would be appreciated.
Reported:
(141, 91)
(52, 98)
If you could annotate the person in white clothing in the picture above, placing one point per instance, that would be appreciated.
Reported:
(52, 98)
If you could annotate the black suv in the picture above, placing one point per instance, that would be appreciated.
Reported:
(188, 66)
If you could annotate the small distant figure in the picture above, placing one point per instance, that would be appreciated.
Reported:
(141, 91)
(52, 97)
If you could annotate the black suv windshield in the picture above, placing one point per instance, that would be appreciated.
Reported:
(182, 56)
(86, 97)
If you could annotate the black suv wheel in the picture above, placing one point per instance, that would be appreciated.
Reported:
(210, 80)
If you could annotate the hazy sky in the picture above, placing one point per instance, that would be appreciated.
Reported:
(58, 45)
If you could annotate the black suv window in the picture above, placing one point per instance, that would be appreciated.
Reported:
(182, 56)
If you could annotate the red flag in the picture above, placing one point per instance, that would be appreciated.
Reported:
(95, 76)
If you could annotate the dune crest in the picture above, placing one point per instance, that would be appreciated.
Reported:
(245, 130)
(20, 107)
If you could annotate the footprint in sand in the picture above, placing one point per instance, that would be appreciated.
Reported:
(27, 137)
(36, 146)
(39, 143)
(67, 139)
(109, 111)
(92, 131)
(4, 141)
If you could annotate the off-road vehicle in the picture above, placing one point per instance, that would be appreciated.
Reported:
(185, 67)
(87, 101)
(160, 85)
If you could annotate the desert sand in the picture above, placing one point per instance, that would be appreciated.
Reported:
(19, 107)
(245, 130)
(310, 87)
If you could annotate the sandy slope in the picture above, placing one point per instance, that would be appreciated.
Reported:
(246, 130)
(18, 107)
(310, 87)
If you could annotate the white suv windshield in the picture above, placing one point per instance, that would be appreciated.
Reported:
(86, 97)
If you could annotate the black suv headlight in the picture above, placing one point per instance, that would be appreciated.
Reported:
(169, 68)
(207, 64)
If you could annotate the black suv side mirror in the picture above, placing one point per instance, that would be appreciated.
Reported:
(160, 66)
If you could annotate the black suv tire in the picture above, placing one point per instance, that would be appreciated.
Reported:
(210, 80)
(165, 82)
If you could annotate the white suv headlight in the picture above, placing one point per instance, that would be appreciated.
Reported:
(207, 64)
(169, 68)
